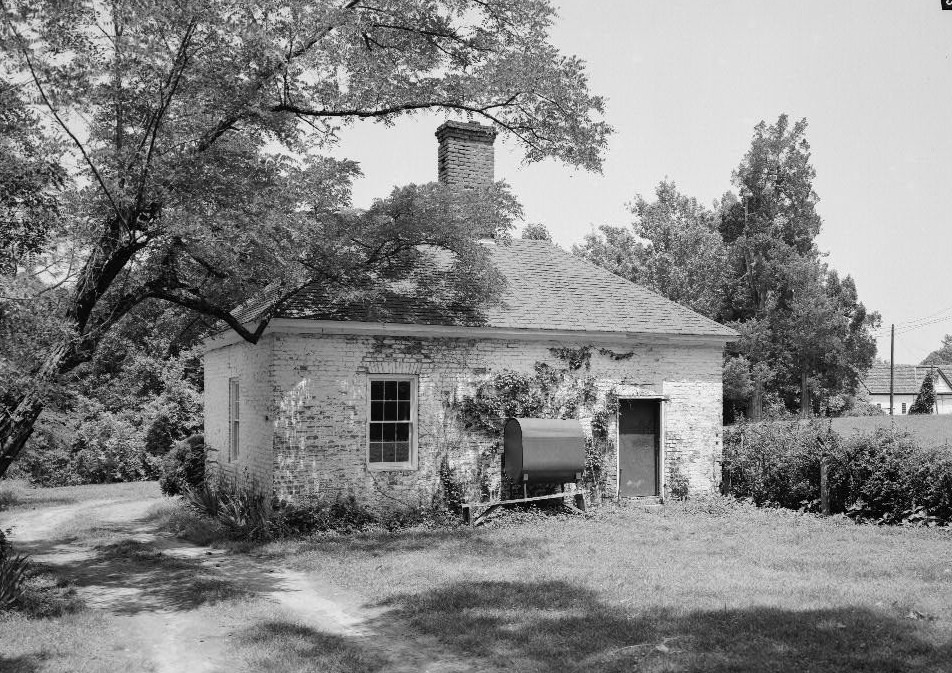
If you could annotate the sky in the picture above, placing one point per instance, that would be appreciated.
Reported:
(686, 81)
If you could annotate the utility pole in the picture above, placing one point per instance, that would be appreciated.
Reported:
(892, 364)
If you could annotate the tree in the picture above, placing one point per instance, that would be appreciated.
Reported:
(942, 355)
(752, 263)
(617, 249)
(30, 177)
(673, 247)
(535, 231)
(819, 333)
(925, 399)
(197, 129)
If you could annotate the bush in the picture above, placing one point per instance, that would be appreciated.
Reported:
(184, 466)
(884, 476)
(242, 508)
(13, 573)
(109, 447)
(246, 512)
(309, 515)
(774, 463)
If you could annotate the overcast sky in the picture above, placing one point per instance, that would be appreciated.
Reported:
(687, 80)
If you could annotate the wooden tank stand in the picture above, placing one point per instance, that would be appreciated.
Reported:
(578, 505)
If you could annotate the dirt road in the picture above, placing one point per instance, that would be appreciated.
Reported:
(161, 587)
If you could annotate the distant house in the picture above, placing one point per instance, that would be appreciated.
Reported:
(906, 384)
(335, 399)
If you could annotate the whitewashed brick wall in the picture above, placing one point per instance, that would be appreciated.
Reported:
(251, 365)
(306, 401)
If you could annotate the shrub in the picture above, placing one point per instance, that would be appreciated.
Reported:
(109, 447)
(184, 466)
(679, 486)
(13, 573)
(450, 494)
(775, 463)
(242, 508)
(889, 477)
(884, 476)
(309, 515)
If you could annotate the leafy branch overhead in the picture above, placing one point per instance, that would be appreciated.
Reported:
(194, 133)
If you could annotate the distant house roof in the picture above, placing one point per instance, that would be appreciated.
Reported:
(908, 378)
(547, 289)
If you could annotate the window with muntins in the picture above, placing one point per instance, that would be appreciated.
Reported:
(233, 406)
(392, 417)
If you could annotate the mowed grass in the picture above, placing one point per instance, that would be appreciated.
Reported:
(703, 587)
(19, 493)
(87, 641)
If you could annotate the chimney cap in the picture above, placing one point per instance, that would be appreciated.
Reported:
(468, 130)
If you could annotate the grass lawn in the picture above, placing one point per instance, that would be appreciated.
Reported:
(929, 429)
(18, 493)
(702, 587)
(707, 585)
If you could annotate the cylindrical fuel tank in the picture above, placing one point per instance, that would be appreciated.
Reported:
(544, 449)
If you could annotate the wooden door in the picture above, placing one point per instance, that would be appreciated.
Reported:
(639, 447)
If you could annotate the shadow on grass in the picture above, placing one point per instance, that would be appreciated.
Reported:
(557, 626)
(286, 647)
(128, 577)
(25, 664)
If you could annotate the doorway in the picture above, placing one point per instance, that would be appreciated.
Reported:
(639, 448)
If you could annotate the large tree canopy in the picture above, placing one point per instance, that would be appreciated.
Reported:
(941, 355)
(196, 127)
(752, 263)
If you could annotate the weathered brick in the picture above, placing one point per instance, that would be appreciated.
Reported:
(304, 408)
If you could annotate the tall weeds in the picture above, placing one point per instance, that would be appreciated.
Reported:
(13, 574)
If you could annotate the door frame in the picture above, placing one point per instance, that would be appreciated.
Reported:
(661, 400)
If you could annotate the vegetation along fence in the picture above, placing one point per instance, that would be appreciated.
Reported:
(887, 473)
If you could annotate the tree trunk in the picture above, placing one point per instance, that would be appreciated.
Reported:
(756, 410)
(16, 424)
(16, 428)
(804, 395)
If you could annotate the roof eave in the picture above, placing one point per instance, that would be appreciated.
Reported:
(330, 327)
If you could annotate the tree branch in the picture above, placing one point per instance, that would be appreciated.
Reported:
(59, 120)
(201, 305)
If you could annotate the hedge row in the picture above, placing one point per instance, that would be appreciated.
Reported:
(885, 475)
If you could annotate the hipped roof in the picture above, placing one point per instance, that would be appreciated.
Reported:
(547, 288)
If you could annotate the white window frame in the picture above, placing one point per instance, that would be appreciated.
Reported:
(234, 418)
(414, 421)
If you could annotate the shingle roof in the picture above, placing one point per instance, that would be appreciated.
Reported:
(908, 378)
(547, 288)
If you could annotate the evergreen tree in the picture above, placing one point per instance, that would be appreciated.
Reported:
(925, 400)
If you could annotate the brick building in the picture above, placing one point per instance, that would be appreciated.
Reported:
(338, 403)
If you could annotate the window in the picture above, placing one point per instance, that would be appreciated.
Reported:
(903, 407)
(392, 417)
(233, 406)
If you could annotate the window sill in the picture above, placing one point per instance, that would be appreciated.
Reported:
(391, 467)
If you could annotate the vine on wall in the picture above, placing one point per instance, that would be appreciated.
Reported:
(548, 392)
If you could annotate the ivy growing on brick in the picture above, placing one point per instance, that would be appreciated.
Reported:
(575, 358)
(565, 392)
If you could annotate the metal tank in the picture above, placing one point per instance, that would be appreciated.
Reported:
(544, 450)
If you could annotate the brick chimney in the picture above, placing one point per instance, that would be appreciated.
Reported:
(465, 157)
